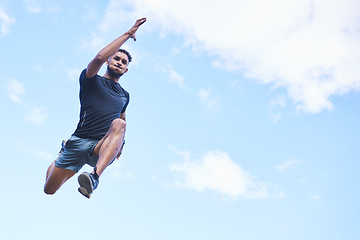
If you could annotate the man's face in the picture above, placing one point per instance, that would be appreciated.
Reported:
(117, 65)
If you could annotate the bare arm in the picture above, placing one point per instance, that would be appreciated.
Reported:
(109, 50)
(123, 117)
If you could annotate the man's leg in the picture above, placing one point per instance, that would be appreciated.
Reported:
(55, 178)
(109, 146)
(107, 149)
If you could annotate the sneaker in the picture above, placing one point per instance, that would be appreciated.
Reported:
(88, 183)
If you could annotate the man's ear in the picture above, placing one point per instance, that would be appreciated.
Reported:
(126, 70)
(107, 62)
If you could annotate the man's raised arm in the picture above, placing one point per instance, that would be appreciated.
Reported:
(105, 53)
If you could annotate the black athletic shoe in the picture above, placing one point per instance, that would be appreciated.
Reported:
(88, 183)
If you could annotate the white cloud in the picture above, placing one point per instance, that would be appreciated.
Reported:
(278, 101)
(73, 73)
(116, 172)
(114, 11)
(175, 77)
(90, 13)
(218, 172)
(315, 197)
(310, 48)
(39, 6)
(33, 6)
(275, 104)
(185, 155)
(37, 115)
(15, 89)
(38, 154)
(209, 99)
(276, 117)
(95, 44)
(288, 164)
(38, 68)
(204, 94)
(5, 22)
(42, 155)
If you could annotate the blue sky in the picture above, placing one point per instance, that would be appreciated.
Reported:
(243, 121)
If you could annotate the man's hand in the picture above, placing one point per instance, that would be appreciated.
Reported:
(136, 26)
(120, 151)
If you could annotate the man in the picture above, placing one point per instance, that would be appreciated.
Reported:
(99, 136)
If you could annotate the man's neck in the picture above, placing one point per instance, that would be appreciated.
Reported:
(106, 75)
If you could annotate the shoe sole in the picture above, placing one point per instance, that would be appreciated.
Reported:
(85, 185)
(84, 192)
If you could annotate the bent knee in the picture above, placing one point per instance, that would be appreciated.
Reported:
(49, 191)
(118, 124)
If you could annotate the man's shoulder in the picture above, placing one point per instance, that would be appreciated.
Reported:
(127, 94)
(83, 79)
(83, 75)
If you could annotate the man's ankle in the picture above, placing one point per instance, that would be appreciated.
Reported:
(94, 173)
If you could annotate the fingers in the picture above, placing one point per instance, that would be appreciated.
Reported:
(119, 153)
(136, 26)
(140, 21)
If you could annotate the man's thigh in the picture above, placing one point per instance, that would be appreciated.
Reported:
(56, 178)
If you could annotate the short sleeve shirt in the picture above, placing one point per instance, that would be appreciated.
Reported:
(101, 101)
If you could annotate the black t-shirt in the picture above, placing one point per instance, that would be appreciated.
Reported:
(102, 100)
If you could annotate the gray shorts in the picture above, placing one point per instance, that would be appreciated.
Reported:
(78, 152)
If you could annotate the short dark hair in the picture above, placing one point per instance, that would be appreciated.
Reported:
(127, 54)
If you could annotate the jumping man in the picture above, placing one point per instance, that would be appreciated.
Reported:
(99, 137)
